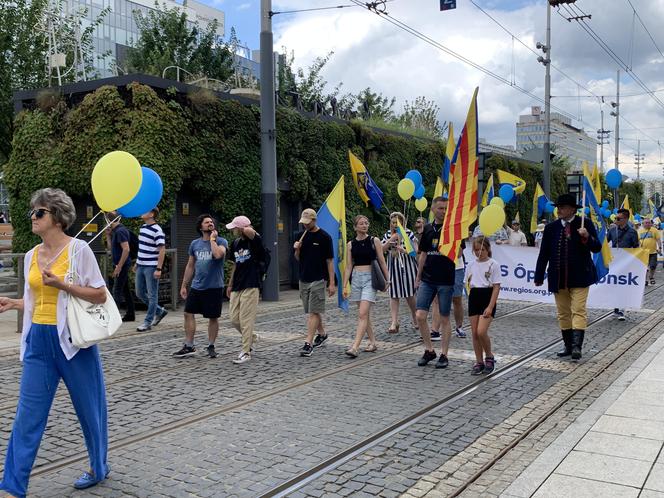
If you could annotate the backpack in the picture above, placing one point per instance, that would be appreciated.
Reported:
(133, 245)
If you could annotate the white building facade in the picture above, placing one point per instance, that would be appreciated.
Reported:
(654, 190)
(566, 140)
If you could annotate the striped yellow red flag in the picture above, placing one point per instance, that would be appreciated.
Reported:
(462, 207)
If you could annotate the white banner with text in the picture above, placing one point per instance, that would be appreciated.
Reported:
(621, 288)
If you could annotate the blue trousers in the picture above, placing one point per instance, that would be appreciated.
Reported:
(44, 364)
(147, 289)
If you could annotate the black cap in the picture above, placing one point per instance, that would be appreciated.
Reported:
(567, 200)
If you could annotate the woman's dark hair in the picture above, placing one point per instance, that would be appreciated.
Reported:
(201, 219)
(484, 242)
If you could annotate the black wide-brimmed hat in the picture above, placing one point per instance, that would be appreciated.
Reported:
(567, 200)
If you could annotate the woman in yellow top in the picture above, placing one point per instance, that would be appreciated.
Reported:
(46, 349)
(650, 240)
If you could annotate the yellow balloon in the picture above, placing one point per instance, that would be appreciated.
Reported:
(421, 204)
(613, 217)
(116, 179)
(555, 212)
(406, 189)
(497, 201)
(492, 218)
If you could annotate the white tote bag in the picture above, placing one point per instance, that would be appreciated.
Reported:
(90, 323)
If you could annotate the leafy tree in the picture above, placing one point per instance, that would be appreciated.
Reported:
(371, 105)
(169, 38)
(422, 114)
(22, 53)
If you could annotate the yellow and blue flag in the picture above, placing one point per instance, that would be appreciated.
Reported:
(597, 183)
(652, 208)
(505, 178)
(625, 205)
(366, 187)
(539, 203)
(602, 258)
(449, 155)
(489, 192)
(332, 219)
(408, 244)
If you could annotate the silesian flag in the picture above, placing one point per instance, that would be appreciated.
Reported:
(449, 154)
(332, 219)
(488, 192)
(602, 258)
(587, 174)
(462, 207)
(505, 178)
(539, 203)
(597, 183)
(406, 240)
(366, 188)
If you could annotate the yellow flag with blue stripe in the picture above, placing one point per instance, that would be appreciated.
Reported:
(625, 205)
(408, 244)
(488, 192)
(332, 219)
(506, 178)
(438, 190)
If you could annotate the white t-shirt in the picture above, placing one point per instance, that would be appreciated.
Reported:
(483, 273)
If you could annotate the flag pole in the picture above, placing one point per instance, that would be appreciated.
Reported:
(583, 207)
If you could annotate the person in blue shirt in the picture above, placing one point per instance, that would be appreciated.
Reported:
(205, 273)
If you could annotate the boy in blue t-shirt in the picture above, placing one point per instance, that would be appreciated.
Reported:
(205, 272)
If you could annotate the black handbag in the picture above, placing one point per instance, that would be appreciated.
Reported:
(377, 278)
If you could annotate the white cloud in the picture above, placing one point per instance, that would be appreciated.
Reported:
(372, 52)
(243, 6)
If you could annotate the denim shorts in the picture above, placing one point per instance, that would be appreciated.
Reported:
(427, 292)
(458, 282)
(361, 288)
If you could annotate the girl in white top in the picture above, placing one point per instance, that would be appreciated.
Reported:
(483, 278)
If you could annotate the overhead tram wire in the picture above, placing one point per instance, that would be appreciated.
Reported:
(418, 34)
(600, 41)
(645, 27)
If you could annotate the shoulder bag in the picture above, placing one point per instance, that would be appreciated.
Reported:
(377, 278)
(90, 323)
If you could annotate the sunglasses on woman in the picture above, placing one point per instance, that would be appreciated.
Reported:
(38, 213)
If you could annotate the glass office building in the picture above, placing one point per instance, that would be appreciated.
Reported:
(118, 29)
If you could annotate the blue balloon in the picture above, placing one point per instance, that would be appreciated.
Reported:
(613, 178)
(548, 208)
(148, 195)
(587, 210)
(416, 178)
(506, 193)
(637, 217)
(606, 213)
(419, 192)
(615, 211)
(605, 204)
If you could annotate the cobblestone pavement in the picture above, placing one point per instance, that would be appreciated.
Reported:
(256, 425)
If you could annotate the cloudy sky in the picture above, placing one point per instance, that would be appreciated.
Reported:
(369, 51)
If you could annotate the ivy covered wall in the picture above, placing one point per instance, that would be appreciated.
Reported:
(211, 147)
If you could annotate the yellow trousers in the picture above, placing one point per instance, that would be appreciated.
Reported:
(243, 308)
(571, 304)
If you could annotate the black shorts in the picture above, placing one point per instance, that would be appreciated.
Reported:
(479, 300)
(206, 302)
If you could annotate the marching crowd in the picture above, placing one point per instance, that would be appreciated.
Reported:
(424, 280)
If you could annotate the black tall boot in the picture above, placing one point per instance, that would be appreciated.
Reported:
(577, 343)
(567, 339)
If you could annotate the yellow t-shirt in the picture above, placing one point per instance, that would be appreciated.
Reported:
(46, 297)
(649, 239)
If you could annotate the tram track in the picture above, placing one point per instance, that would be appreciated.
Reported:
(226, 408)
(310, 475)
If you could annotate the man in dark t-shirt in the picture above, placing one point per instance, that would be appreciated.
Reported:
(246, 253)
(314, 251)
(119, 244)
(435, 277)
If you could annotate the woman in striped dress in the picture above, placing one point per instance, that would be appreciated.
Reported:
(402, 268)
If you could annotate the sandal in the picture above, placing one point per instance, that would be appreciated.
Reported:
(352, 352)
(393, 330)
(371, 348)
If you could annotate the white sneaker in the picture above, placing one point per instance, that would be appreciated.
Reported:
(242, 358)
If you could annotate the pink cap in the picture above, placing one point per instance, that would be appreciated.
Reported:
(239, 222)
